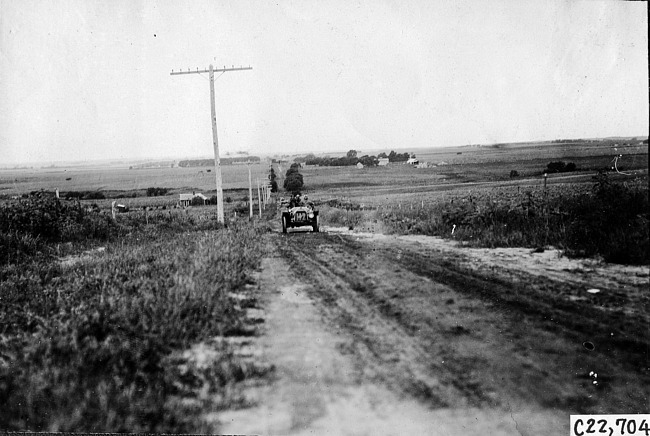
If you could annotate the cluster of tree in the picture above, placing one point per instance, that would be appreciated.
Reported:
(348, 160)
(560, 167)
(224, 161)
(272, 177)
(396, 157)
(367, 161)
(293, 179)
(155, 192)
(352, 158)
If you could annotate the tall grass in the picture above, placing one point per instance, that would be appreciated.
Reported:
(333, 216)
(609, 220)
(27, 226)
(87, 344)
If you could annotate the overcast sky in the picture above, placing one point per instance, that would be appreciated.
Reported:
(84, 79)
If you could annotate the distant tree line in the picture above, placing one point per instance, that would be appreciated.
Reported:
(396, 157)
(352, 158)
(567, 141)
(224, 161)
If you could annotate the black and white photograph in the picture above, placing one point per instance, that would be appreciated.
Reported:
(335, 217)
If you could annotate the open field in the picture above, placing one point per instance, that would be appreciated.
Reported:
(14, 182)
(474, 168)
(434, 300)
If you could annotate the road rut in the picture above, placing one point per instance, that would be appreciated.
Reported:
(358, 351)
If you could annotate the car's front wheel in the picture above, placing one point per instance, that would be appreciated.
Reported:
(314, 225)
(284, 224)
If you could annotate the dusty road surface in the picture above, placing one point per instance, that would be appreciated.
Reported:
(374, 334)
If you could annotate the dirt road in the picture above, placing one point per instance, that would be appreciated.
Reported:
(374, 334)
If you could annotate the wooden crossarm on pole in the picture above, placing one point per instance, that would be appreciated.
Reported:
(215, 140)
(215, 70)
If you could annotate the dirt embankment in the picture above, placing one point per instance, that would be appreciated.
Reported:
(375, 334)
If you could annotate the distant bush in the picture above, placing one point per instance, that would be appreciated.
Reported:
(94, 195)
(198, 201)
(514, 173)
(560, 167)
(84, 195)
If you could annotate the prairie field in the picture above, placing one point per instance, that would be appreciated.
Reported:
(411, 299)
(13, 182)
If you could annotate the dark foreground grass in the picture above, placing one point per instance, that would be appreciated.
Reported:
(608, 219)
(87, 342)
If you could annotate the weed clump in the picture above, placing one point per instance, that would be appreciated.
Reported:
(611, 222)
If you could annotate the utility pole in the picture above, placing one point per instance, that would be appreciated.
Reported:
(250, 191)
(259, 197)
(215, 141)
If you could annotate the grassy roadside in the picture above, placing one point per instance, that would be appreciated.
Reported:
(87, 342)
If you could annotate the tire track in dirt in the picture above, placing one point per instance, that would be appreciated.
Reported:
(329, 382)
(418, 335)
(527, 334)
(389, 336)
(318, 388)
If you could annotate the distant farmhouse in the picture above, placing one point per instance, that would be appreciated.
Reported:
(383, 161)
(185, 200)
(412, 161)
